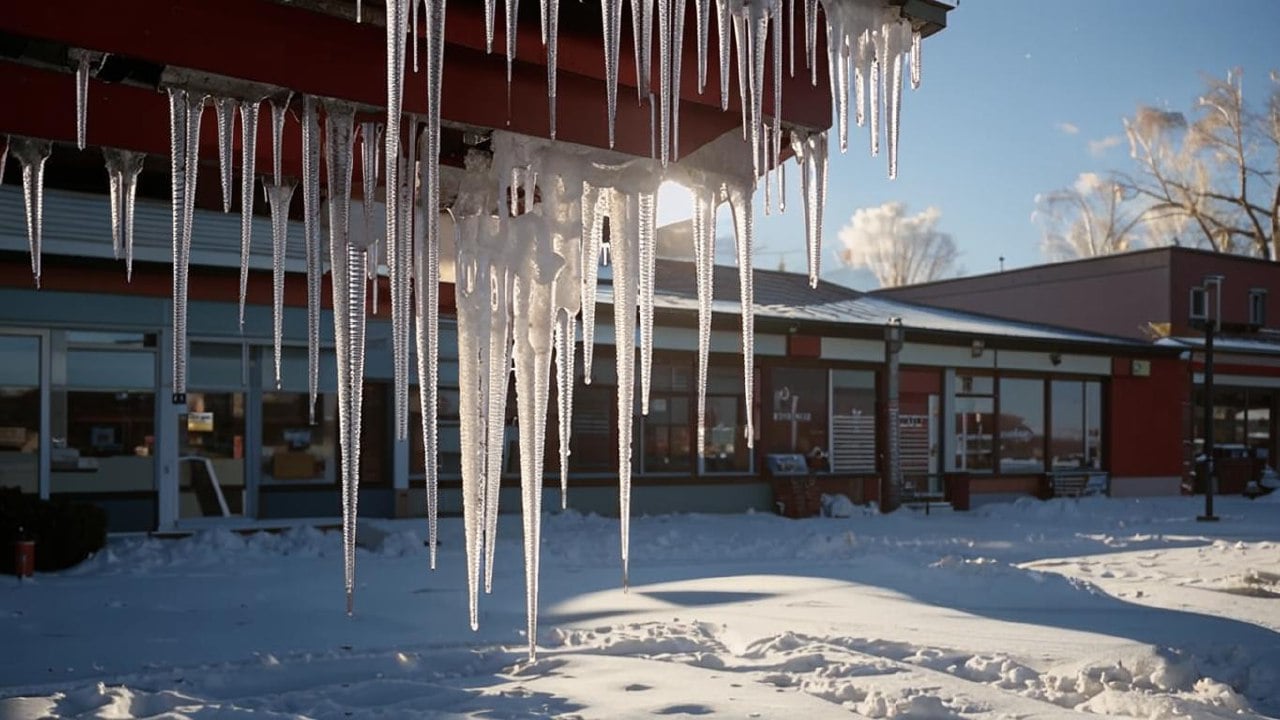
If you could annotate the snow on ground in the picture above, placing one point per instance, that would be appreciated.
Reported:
(1123, 608)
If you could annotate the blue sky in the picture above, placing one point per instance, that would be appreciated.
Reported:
(1003, 86)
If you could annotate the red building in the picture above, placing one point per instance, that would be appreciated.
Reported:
(1157, 408)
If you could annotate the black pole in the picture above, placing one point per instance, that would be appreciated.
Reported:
(1209, 471)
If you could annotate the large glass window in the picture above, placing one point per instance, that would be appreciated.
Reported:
(725, 444)
(20, 412)
(1021, 425)
(853, 421)
(666, 442)
(1075, 427)
(103, 418)
(796, 416)
(211, 445)
(975, 423)
(294, 450)
(593, 444)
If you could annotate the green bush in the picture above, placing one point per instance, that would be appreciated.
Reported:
(66, 532)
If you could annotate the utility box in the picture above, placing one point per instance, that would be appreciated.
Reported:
(795, 493)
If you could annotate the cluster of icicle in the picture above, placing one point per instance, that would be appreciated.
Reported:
(529, 232)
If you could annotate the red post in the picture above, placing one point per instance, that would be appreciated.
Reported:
(24, 558)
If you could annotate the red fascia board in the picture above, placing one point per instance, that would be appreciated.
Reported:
(327, 56)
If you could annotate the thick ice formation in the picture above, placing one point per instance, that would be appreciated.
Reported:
(185, 110)
(370, 142)
(279, 198)
(123, 167)
(31, 155)
(811, 155)
(248, 158)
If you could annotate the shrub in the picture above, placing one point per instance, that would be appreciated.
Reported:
(66, 532)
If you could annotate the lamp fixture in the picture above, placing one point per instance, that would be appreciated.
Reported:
(977, 348)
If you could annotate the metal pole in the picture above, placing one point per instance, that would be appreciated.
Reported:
(1209, 472)
(892, 346)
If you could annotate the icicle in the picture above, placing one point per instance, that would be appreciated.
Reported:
(839, 82)
(664, 79)
(811, 39)
(225, 109)
(647, 251)
(123, 167)
(532, 334)
(704, 255)
(513, 9)
(82, 96)
(397, 254)
(278, 197)
(782, 182)
(347, 262)
(860, 68)
(791, 35)
(566, 214)
(488, 25)
(248, 157)
(611, 12)
(195, 111)
(566, 340)
(551, 38)
(916, 60)
(279, 106)
(359, 12)
(428, 263)
(592, 232)
(896, 39)
(677, 61)
(32, 154)
(775, 149)
(370, 139)
(875, 98)
(702, 9)
(311, 238)
(642, 38)
(743, 56)
(742, 204)
(811, 157)
(181, 248)
(622, 237)
(413, 31)
(757, 17)
(400, 268)
(4, 156)
(499, 379)
(723, 24)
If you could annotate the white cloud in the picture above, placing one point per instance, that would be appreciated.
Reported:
(1098, 148)
(1068, 128)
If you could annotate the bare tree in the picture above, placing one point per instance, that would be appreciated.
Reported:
(1218, 171)
(898, 249)
(1090, 218)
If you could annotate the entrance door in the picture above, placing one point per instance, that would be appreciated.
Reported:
(211, 452)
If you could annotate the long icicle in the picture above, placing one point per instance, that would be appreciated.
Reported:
(32, 154)
(677, 57)
(83, 59)
(347, 261)
(181, 250)
(279, 108)
(741, 200)
(724, 22)
(704, 251)
(370, 151)
(499, 379)
(4, 155)
(664, 80)
(248, 158)
(124, 167)
(397, 257)
(622, 233)
(311, 238)
(703, 11)
(513, 13)
(279, 197)
(611, 17)
(592, 233)
(551, 37)
(646, 246)
(225, 111)
(568, 303)
(566, 342)
(191, 166)
(428, 281)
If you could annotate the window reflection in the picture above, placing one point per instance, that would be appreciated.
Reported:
(20, 412)
(294, 450)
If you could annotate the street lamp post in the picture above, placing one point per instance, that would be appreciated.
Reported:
(893, 337)
(1212, 317)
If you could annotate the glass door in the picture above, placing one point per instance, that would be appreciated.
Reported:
(213, 479)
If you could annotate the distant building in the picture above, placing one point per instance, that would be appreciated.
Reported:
(1146, 295)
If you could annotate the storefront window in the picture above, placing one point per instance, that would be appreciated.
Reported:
(1021, 425)
(667, 446)
(1075, 428)
(975, 423)
(593, 444)
(104, 422)
(294, 450)
(853, 421)
(20, 412)
(796, 414)
(212, 429)
(725, 443)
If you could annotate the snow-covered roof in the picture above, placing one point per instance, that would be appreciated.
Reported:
(787, 296)
(1261, 345)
